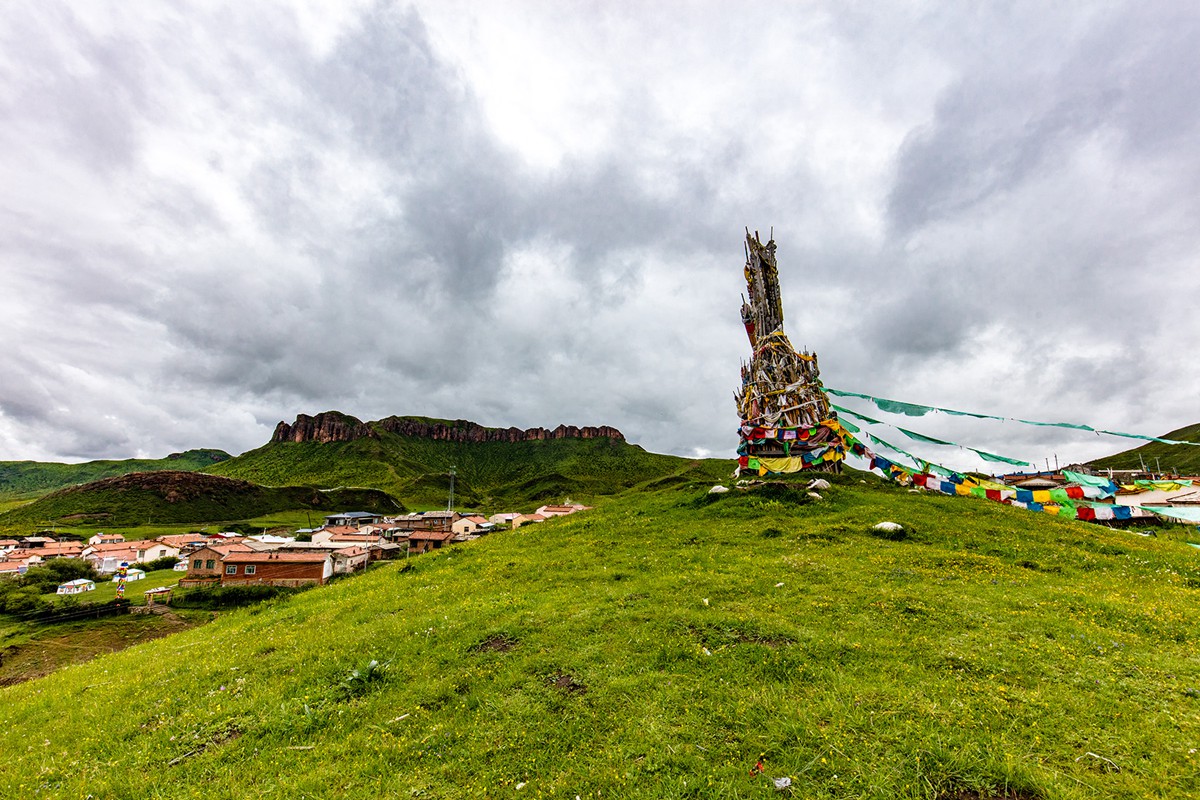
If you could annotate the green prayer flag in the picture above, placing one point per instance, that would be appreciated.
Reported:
(969, 414)
(897, 407)
(856, 415)
(998, 459)
(1176, 512)
(920, 437)
(1057, 425)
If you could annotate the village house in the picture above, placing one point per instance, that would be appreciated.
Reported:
(204, 564)
(468, 524)
(277, 568)
(30, 542)
(349, 559)
(11, 569)
(387, 551)
(428, 521)
(16, 562)
(150, 550)
(107, 558)
(106, 538)
(522, 519)
(362, 539)
(9, 544)
(61, 550)
(353, 518)
(424, 541)
(184, 541)
(382, 528)
(440, 520)
(332, 531)
(503, 519)
(557, 511)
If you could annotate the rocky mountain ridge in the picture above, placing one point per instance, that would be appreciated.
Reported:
(334, 426)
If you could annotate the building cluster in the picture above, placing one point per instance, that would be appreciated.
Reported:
(345, 543)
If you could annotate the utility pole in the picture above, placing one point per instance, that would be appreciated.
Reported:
(450, 503)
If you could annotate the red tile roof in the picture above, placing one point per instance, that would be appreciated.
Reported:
(430, 536)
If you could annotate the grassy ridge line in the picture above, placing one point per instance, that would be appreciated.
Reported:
(1172, 457)
(186, 498)
(647, 649)
(488, 473)
(29, 479)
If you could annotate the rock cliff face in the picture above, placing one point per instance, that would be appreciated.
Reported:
(332, 426)
(329, 426)
(465, 431)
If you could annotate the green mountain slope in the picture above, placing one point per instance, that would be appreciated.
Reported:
(21, 479)
(489, 474)
(180, 497)
(660, 646)
(1181, 459)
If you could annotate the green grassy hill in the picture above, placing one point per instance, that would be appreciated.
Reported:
(660, 646)
(27, 479)
(489, 474)
(180, 497)
(1181, 459)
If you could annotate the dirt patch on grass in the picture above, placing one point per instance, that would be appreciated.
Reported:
(986, 794)
(713, 636)
(500, 643)
(567, 683)
(52, 647)
(220, 738)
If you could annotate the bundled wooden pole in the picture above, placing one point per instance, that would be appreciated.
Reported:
(787, 424)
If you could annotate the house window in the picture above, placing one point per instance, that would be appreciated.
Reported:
(196, 564)
(251, 569)
(231, 569)
(208, 564)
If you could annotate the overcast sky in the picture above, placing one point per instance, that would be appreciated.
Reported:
(216, 217)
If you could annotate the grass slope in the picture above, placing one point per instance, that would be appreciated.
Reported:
(658, 646)
(179, 497)
(489, 474)
(27, 479)
(1180, 459)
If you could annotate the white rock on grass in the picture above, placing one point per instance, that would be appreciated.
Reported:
(819, 485)
(814, 496)
(718, 489)
(887, 527)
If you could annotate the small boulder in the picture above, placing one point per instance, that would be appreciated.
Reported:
(819, 485)
(718, 489)
(893, 531)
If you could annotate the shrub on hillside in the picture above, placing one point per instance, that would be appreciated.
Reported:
(166, 562)
(47, 576)
(24, 600)
(213, 597)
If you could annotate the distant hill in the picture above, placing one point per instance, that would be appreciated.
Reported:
(28, 479)
(411, 457)
(1167, 457)
(181, 497)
